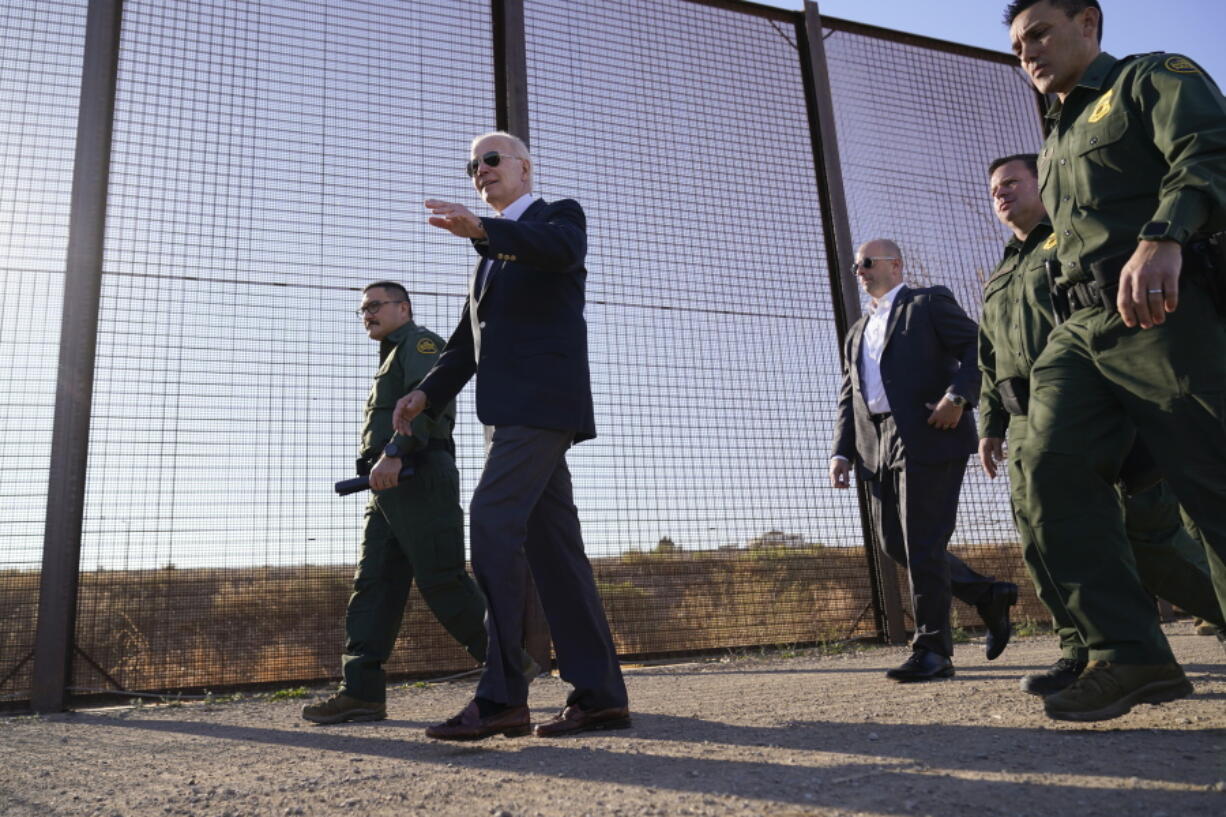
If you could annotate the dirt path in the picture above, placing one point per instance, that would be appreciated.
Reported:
(784, 736)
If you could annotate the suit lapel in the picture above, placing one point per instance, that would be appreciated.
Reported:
(496, 266)
(900, 301)
(472, 282)
(855, 338)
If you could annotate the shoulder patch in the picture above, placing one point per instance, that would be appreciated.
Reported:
(1181, 65)
(427, 346)
(1103, 107)
(1050, 243)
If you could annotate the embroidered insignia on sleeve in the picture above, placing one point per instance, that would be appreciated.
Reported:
(1050, 243)
(1103, 107)
(426, 346)
(1181, 65)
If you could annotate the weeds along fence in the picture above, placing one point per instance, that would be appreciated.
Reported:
(192, 196)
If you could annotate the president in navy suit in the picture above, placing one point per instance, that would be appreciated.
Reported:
(523, 335)
(910, 374)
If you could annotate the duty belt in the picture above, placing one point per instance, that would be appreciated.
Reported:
(1202, 264)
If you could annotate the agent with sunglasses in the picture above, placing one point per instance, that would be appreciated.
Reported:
(414, 528)
(523, 335)
(910, 370)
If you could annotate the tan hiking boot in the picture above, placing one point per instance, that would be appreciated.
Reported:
(1105, 690)
(340, 708)
(1203, 627)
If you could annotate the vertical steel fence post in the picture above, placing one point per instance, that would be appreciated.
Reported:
(78, 339)
(840, 253)
(511, 99)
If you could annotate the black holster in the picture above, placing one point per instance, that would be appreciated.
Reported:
(1204, 261)
(1015, 395)
(1106, 274)
(362, 466)
(1139, 470)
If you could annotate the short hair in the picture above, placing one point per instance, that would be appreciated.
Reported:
(393, 287)
(1070, 7)
(1031, 160)
(520, 146)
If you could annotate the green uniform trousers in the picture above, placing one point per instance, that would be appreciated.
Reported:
(415, 530)
(1096, 384)
(1170, 563)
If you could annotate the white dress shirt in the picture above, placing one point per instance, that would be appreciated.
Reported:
(871, 347)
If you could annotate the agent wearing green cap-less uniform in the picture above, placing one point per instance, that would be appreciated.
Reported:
(1133, 176)
(1016, 320)
(414, 528)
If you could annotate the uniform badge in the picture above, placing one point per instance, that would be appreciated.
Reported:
(426, 346)
(1181, 65)
(1050, 243)
(1103, 107)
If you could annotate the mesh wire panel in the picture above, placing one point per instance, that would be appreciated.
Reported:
(40, 78)
(917, 128)
(682, 129)
(270, 159)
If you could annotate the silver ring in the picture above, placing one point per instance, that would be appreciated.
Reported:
(1154, 291)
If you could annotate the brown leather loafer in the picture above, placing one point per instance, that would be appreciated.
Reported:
(513, 722)
(572, 720)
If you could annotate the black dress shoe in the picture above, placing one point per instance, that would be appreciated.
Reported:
(995, 613)
(923, 665)
(573, 719)
(1060, 675)
(513, 721)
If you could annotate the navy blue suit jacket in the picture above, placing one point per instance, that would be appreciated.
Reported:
(931, 348)
(524, 336)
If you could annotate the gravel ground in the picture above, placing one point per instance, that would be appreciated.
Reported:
(779, 734)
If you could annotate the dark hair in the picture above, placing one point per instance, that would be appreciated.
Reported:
(1031, 160)
(1070, 7)
(394, 288)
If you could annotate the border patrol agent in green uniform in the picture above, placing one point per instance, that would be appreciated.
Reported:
(1016, 320)
(413, 528)
(1133, 176)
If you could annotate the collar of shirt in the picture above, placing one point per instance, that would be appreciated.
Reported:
(883, 304)
(1040, 232)
(1094, 77)
(396, 338)
(516, 208)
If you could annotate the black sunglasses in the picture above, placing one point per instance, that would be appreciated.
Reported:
(867, 262)
(491, 158)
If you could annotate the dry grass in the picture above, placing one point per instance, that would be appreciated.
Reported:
(178, 629)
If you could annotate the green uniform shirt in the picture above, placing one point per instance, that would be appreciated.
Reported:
(406, 355)
(1138, 140)
(1017, 318)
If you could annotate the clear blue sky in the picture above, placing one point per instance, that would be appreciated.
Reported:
(1195, 28)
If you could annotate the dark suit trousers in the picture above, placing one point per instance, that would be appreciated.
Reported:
(914, 508)
(523, 516)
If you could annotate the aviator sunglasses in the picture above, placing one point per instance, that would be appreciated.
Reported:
(867, 261)
(491, 158)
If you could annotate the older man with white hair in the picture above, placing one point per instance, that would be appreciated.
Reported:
(523, 335)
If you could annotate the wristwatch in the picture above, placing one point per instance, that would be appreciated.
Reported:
(1163, 231)
(393, 451)
(957, 399)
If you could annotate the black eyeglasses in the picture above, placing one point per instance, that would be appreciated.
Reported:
(373, 307)
(867, 261)
(491, 158)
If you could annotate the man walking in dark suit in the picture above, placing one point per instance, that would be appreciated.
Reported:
(910, 370)
(522, 333)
